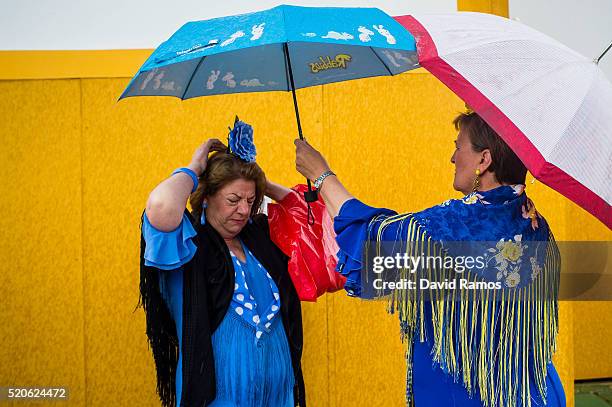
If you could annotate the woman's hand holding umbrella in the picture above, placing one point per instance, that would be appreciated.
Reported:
(308, 161)
(311, 164)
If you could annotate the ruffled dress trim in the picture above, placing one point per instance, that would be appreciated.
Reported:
(352, 229)
(169, 250)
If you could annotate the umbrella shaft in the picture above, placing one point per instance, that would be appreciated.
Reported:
(297, 111)
(603, 53)
(310, 195)
(292, 83)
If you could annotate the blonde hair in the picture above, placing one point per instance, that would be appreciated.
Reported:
(221, 169)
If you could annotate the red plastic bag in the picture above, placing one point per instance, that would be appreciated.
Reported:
(311, 248)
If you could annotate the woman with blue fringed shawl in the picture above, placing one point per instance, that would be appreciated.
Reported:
(487, 340)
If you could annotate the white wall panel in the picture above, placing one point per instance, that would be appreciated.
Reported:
(585, 26)
(131, 24)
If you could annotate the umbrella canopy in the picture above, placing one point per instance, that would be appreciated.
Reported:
(551, 105)
(281, 49)
(267, 50)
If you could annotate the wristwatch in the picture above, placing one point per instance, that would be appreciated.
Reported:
(319, 181)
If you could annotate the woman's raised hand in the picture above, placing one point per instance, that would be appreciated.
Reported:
(308, 161)
(311, 164)
(200, 156)
(166, 203)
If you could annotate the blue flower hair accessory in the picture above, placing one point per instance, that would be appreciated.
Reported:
(240, 141)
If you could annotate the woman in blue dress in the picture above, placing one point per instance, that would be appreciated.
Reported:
(223, 317)
(490, 343)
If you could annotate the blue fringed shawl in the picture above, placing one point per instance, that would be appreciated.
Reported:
(493, 341)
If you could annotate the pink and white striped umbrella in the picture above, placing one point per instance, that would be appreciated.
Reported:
(550, 104)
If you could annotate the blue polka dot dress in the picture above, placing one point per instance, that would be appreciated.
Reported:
(252, 357)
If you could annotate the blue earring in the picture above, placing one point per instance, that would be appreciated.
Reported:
(203, 217)
(250, 220)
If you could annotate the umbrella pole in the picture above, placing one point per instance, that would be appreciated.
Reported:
(604, 53)
(311, 194)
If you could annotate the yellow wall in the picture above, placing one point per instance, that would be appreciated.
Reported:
(18, 65)
(41, 251)
(81, 166)
(498, 7)
(78, 167)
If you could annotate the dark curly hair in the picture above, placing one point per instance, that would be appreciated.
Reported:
(505, 164)
(221, 169)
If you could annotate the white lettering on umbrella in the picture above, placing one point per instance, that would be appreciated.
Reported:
(233, 38)
(338, 36)
(257, 31)
(190, 49)
(365, 34)
(228, 78)
(210, 83)
(384, 32)
(249, 83)
(309, 35)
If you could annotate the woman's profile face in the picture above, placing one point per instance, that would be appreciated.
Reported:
(466, 161)
(230, 207)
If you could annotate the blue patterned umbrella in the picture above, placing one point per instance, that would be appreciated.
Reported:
(281, 49)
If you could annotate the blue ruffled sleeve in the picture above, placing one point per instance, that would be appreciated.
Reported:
(352, 227)
(168, 250)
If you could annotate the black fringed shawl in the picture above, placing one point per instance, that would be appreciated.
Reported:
(208, 282)
(161, 332)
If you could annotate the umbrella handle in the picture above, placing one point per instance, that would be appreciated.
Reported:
(312, 194)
